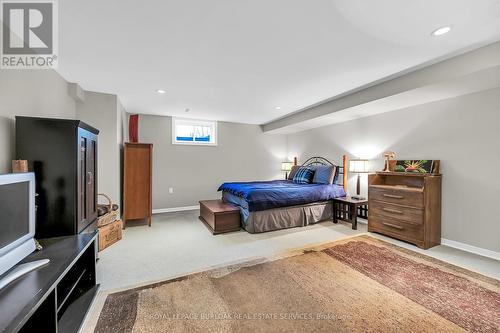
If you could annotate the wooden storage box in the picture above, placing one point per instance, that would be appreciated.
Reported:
(219, 216)
(110, 234)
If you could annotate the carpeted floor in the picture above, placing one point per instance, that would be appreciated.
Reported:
(355, 285)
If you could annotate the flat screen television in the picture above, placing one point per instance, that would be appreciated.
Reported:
(17, 218)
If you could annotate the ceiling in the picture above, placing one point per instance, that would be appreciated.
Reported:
(239, 60)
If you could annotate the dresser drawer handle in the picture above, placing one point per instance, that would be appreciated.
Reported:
(393, 196)
(390, 210)
(393, 225)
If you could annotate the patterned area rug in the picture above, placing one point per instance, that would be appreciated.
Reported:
(358, 284)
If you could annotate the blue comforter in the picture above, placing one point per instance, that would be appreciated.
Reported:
(281, 193)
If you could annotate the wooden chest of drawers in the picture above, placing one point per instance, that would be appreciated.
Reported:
(406, 206)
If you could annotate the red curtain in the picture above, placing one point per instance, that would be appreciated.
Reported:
(133, 128)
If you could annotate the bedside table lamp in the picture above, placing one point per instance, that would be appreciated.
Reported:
(358, 166)
(287, 167)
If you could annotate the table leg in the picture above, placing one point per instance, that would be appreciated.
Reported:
(334, 212)
(354, 215)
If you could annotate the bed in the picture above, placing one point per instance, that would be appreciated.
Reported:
(280, 204)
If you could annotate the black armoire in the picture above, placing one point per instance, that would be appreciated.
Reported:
(63, 155)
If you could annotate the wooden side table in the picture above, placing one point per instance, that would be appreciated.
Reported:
(349, 209)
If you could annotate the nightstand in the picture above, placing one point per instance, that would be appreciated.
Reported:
(349, 209)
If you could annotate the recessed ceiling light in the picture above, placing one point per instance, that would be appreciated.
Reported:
(160, 91)
(278, 108)
(187, 110)
(441, 31)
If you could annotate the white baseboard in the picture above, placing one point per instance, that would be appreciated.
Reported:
(462, 246)
(174, 209)
(470, 248)
(362, 221)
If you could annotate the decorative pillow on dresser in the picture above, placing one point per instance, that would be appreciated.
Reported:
(324, 174)
(304, 175)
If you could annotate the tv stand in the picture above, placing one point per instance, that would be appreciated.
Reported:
(20, 270)
(56, 296)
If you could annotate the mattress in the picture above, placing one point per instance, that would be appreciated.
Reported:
(265, 195)
(273, 205)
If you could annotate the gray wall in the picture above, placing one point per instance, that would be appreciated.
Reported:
(463, 132)
(37, 93)
(104, 111)
(243, 153)
(44, 93)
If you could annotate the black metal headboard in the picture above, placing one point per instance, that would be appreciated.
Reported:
(342, 168)
(318, 161)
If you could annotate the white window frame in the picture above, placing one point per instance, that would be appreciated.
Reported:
(185, 121)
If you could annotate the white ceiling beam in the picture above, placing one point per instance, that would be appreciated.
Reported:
(467, 73)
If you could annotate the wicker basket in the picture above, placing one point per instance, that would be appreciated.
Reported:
(109, 217)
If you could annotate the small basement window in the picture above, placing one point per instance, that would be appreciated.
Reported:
(194, 132)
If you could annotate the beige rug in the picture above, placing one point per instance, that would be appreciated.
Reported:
(354, 285)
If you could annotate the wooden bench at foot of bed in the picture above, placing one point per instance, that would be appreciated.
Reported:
(219, 216)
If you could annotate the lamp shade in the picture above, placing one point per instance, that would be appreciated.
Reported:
(286, 166)
(359, 166)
